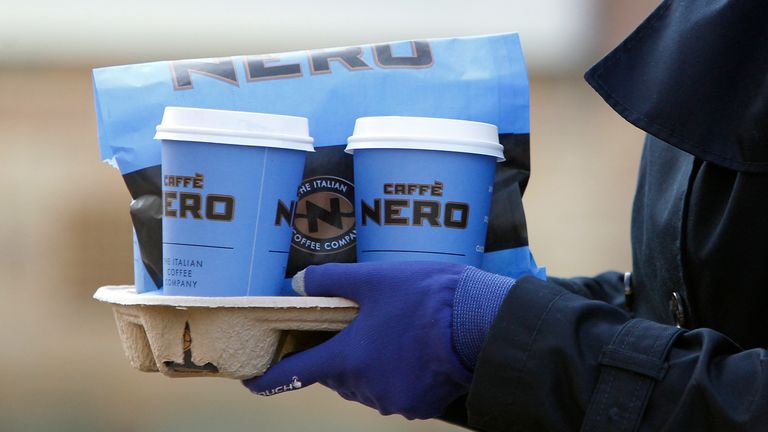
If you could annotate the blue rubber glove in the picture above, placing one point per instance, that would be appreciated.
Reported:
(402, 353)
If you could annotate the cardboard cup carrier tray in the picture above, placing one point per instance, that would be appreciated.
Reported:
(230, 337)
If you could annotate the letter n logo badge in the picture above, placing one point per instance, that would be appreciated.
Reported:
(325, 214)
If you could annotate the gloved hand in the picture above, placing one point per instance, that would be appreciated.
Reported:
(398, 354)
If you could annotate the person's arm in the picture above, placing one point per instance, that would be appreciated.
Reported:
(414, 343)
(557, 361)
(552, 360)
(608, 287)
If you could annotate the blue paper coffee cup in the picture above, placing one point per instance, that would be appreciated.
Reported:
(423, 188)
(224, 175)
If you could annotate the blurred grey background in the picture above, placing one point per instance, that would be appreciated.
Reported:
(64, 224)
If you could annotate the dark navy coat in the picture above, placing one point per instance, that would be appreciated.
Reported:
(685, 348)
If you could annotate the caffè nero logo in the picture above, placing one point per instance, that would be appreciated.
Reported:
(323, 215)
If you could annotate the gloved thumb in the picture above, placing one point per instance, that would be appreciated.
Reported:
(297, 371)
(332, 280)
(358, 282)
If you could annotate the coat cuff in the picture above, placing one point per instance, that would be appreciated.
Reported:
(476, 303)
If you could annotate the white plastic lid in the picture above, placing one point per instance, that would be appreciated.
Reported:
(235, 127)
(425, 133)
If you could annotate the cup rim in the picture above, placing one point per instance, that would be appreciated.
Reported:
(235, 127)
(426, 133)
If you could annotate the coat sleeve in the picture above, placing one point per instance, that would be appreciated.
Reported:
(558, 361)
(607, 287)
